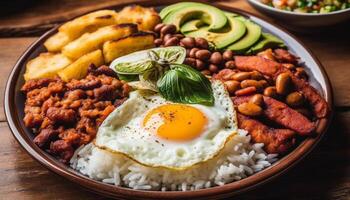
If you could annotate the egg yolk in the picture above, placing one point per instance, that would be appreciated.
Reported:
(176, 122)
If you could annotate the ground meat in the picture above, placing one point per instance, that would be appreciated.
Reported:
(60, 115)
(67, 115)
(105, 92)
(84, 84)
(46, 135)
(62, 149)
(102, 70)
(36, 84)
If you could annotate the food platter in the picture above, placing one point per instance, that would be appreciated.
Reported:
(14, 104)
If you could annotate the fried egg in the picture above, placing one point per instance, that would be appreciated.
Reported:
(157, 133)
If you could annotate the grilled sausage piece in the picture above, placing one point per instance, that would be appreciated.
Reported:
(319, 105)
(282, 114)
(273, 69)
(275, 140)
(260, 64)
(283, 55)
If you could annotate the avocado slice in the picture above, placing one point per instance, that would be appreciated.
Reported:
(179, 16)
(267, 41)
(232, 32)
(251, 37)
(167, 10)
(191, 25)
(230, 14)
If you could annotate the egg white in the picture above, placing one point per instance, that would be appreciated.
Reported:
(122, 132)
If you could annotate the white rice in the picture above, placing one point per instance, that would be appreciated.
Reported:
(238, 160)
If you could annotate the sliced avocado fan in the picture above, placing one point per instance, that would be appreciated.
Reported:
(181, 14)
(252, 35)
(232, 32)
(266, 41)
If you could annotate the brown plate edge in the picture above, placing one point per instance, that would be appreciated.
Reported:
(234, 188)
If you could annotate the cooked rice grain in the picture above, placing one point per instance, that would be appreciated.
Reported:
(238, 160)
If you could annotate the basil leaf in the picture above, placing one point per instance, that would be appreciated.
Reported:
(134, 67)
(128, 78)
(183, 84)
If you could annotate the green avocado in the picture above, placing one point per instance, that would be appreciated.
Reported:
(167, 10)
(267, 41)
(191, 25)
(251, 37)
(178, 16)
(232, 32)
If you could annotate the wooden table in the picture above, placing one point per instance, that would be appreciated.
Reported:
(324, 174)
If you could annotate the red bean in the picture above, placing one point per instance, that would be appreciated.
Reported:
(188, 42)
(169, 28)
(158, 27)
(201, 43)
(216, 58)
(193, 52)
(172, 42)
(203, 54)
(227, 55)
(213, 68)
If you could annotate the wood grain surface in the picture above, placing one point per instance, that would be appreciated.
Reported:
(324, 174)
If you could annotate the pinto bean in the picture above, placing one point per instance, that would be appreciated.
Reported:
(213, 68)
(201, 43)
(158, 42)
(230, 64)
(200, 65)
(256, 75)
(250, 82)
(193, 52)
(167, 37)
(203, 54)
(240, 76)
(227, 55)
(216, 58)
(263, 83)
(169, 28)
(257, 99)
(250, 109)
(232, 86)
(295, 99)
(245, 91)
(158, 27)
(188, 42)
(172, 42)
(190, 62)
(271, 92)
(283, 83)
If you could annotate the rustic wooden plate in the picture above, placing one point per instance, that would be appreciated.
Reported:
(14, 104)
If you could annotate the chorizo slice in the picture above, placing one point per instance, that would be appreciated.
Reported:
(275, 140)
(319, 105)
(258, 63)
(280, 113)
(283, 55)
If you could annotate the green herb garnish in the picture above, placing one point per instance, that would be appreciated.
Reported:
(161, 70)
(183, 84)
